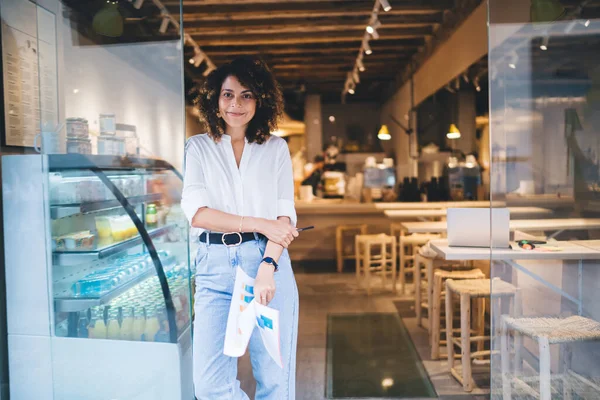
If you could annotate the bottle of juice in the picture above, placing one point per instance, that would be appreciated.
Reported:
(127, 325)
(97, 327)
(139, 324)
(151, 215)
(152, 326)
(113, 330)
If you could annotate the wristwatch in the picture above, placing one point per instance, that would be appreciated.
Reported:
(269, 260)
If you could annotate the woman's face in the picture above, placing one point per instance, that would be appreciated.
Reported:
(237, 104)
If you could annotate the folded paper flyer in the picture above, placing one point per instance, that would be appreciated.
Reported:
(245, 314)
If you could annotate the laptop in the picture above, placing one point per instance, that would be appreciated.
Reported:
(470, 227)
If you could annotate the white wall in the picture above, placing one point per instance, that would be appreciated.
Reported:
(140, 83)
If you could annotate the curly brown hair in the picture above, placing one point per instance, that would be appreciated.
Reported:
(253, 73)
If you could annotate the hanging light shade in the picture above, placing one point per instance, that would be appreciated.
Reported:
(453, 132)
(546, 10)
(384, 133)
(108, 21)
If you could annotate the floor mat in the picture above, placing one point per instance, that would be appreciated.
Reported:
(372, 355)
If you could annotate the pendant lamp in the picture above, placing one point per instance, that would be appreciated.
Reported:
(108, 21)
(384, 133)
(546, 10)
(453, 132)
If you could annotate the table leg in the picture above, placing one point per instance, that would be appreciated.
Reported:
(465, 338)
(418, 310)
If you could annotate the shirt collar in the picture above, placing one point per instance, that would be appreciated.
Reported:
(228, 138)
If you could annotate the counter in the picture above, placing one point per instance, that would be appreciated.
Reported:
(327, 214)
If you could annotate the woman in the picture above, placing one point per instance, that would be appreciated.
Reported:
(238, 195)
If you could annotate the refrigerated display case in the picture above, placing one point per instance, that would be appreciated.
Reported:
(98, 278)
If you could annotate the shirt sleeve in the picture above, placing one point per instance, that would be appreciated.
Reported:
(285, 185)
(194, 194)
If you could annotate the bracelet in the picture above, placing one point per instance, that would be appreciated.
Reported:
(241, 223)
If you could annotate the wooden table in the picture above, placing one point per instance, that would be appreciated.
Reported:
(559, 224)
(441, 213)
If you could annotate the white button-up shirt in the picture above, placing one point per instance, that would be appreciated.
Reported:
(262, 186)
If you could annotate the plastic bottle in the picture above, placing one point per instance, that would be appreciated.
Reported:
(97, 327)
(113, 328)
(127, 325)
(139, 324)
(152, 327)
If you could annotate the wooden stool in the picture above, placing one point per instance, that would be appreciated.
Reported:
(436, 302)
(340, 232)
(546, 331)
(409, 246)
(468, 290)
(424, 269)
(369, 262)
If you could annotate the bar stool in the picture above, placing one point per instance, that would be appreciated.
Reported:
(340, 232)
(425, 265)
(469, 290)
(546, 331)
(436, 299)
(409, 246)
(369, 262)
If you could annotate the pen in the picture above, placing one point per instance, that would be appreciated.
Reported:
(305, 229)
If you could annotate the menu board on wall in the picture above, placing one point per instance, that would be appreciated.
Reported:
(29, 71)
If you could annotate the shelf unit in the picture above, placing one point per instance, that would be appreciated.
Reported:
(79, 257)
(68, 210)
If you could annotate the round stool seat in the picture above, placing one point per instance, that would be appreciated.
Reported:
(481, 287)
(557, 330)
(472, 273)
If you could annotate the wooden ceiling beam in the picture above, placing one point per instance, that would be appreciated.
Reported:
(203, 11)
(271, 26)
(323, 48)
(303, 38)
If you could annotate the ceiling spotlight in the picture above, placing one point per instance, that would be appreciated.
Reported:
(544, 45)
(138, 4)
(355, 76)
(476, 83)
(374, 34)
(386, 5)
(210, 67)
(198, 58)
(586, 23)
(192, 60)
(367, 48)
(359, 63)
(351, 90)
(164, 25)
(372, 27)
(331, 119)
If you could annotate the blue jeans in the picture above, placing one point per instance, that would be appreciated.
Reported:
(215, 374)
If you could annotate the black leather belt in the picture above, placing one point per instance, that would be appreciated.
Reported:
(230, 239)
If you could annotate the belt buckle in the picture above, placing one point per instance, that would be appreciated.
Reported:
(231, 233)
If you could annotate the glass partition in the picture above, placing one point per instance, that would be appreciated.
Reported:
(545, 151)
(96, 246)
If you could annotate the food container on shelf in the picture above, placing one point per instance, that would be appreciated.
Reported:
(79, 240)
(103, 227)
(79, 146)
(108, 124)
(111, 145)
(77, 128)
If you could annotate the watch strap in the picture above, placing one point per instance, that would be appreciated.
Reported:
(270, 260)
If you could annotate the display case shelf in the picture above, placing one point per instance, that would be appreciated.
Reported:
(79, 257)
(67, 210)
(73, 304)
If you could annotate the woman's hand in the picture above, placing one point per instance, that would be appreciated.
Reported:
(279, 231)
(264, 285)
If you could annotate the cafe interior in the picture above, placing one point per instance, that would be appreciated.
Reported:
(445, 152)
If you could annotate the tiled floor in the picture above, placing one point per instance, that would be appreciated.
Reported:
(325, 293)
